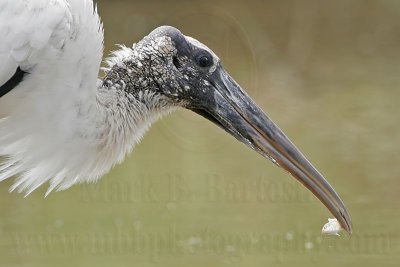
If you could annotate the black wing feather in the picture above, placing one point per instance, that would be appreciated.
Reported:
(12, 82)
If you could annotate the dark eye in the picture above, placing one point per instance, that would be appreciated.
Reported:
(204, 61)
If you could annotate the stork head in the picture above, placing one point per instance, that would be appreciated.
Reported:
(177, 70)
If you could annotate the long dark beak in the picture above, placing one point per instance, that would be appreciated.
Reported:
(234, 111)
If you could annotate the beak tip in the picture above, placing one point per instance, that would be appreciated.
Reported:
(346, 222)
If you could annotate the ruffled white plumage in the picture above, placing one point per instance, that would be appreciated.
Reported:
(52, 128)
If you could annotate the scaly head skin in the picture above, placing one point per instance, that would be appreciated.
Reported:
(167, 69)
(165, 64)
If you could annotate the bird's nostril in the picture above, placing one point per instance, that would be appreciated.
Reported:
(176, 62)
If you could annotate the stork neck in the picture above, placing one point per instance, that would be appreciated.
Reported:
(131, 85)
(129, 70)
(125, 108)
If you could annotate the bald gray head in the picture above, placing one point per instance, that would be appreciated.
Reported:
(168, 69)
(167, 65)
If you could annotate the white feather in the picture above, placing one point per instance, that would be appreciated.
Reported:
(59, 125)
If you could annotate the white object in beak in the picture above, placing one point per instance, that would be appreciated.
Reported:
(332, 227)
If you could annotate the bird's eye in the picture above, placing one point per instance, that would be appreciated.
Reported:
(204, 61)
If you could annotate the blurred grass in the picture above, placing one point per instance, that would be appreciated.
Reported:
(326, 72)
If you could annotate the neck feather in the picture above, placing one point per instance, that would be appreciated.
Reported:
(125, 105)
(117, 120)
(124, 110)
(122, 120)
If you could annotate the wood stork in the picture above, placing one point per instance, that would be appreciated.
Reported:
(60, 124)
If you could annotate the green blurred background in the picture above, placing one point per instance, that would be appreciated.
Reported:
(327, 72)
